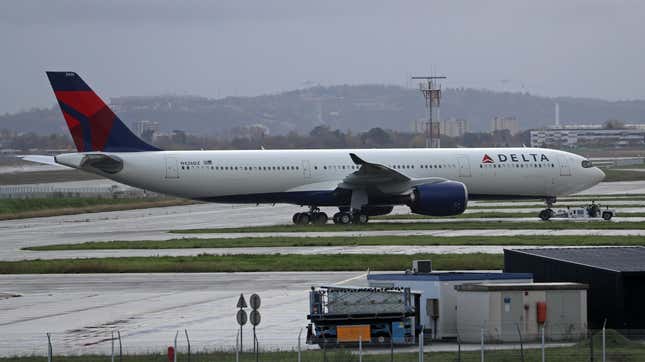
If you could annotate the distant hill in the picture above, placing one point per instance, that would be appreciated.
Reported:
(356, 108)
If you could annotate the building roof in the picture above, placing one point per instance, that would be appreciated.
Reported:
(617, 259)
(486, 287)
(449, 276)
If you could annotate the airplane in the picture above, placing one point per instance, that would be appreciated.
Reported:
(359, 182)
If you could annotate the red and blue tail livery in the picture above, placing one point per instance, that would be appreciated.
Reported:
(93, 125)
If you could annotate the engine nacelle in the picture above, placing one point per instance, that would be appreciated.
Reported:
(445, 198)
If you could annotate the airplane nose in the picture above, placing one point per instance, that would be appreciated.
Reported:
(598, 175)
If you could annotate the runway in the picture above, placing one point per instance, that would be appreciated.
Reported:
(81, 310)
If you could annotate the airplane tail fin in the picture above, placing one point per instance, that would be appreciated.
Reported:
(93, 125)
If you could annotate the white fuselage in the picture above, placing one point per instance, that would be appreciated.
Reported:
(489, 172)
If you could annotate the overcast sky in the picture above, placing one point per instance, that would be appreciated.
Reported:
(218, 48)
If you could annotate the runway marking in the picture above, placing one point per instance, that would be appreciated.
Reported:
(351, 279)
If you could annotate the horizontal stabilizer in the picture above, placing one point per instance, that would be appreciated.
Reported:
(42, 159)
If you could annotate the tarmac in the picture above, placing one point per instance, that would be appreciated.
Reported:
(81, 311)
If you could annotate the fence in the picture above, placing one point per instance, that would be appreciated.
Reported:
(596, 345)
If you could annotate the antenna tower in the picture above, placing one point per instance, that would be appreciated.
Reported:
(431, 90)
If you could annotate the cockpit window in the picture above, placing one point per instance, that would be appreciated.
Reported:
(587, 164)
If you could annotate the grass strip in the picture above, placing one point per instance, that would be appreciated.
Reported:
(37, 177)
(586, 198)
(455, 225)
(42, 207)
(250, 263)
(613, 175)
(296, 241)
(559, 205)
(477, 215)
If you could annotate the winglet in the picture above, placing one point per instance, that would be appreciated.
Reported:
(357, 160)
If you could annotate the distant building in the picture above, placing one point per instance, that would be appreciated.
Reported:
(502, 123)
(588, 137)
(575, 126)
(146, 129)
(453, 127)
(254, 131)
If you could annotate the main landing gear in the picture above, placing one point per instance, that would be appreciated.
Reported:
(314, 216)
(317, 217)
(345, 218)
(547, 213)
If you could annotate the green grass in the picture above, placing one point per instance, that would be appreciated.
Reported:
(477, 215)
(564, 200)
(613, 175)
(22, 208)
(454, 225)
(485, 214)
(640, 165)
(559, 205)
(250, 263)
(296, 241)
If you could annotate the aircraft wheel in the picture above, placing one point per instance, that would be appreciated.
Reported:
(344, 218)
(320, 218)
(295, 218)
(606, 215)
(303, 219)
(546, 214)
(336, 218)
(360, 218)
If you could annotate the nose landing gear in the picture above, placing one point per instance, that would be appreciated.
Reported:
(547, 213)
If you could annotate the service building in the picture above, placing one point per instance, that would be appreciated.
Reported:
(615, 275)
(438, 296)
(506, 312)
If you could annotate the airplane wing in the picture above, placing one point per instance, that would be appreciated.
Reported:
(374, 177)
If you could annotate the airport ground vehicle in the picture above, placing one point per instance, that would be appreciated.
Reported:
(375, 316)
(591, 211)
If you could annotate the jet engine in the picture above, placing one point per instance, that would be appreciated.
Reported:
(444, 198)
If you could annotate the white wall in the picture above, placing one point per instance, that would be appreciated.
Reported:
(447, 295)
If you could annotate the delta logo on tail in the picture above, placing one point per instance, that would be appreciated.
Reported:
(487, 159)
(93, 125)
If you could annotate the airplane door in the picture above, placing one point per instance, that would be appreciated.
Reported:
(306, 169)
(172, 170)
(565, 169)
(464, 166)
